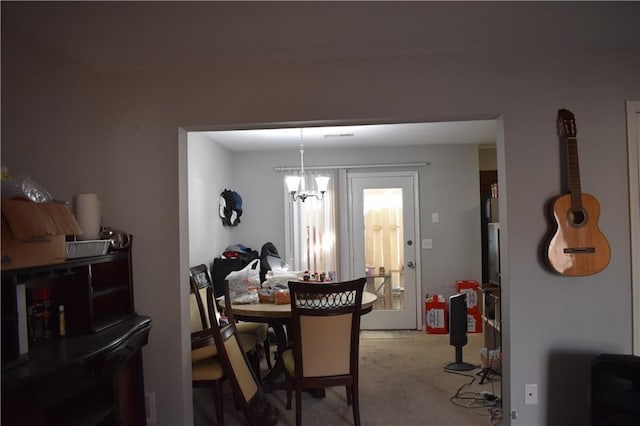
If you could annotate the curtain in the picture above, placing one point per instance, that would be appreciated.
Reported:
(384, 232)
(383, 228)
(311, 227)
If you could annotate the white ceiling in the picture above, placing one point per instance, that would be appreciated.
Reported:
(481, 132)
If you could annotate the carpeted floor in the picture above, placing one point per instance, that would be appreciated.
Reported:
(402, 382)
(384, 334)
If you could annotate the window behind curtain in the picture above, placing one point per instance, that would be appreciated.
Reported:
(310, 229)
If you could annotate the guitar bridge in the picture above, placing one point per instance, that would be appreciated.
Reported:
(579, 250)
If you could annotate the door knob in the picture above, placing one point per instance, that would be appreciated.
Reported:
(411, 265)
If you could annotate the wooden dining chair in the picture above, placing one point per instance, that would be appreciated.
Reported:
(244, 382)
(252, 335)
(206, 369)
(325, 322)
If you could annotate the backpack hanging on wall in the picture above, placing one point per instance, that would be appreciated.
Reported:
(230, 207)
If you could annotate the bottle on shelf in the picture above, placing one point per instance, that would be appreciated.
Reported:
(30, 323)
(46, 313)
(37, 332)
(62, 326)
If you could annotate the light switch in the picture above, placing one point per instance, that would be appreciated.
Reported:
(435, 217)
(427, 243)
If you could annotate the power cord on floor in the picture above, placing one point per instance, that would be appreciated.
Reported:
(482, 403)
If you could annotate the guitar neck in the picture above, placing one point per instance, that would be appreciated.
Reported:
(574, 174)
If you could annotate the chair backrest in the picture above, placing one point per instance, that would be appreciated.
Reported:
(202, 338)
(212, 339)
(237, 368)
(235, 360)
(326, 327)
(199, 281)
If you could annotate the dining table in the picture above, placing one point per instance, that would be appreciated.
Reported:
(278, 316)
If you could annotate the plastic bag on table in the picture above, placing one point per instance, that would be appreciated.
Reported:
(279, 278)
(247, 298)
(243, 284)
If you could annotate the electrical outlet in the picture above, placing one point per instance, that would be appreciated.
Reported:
(427, 243)
(435, 217)
(531, 394)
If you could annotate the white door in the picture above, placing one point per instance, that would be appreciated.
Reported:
(383, 245)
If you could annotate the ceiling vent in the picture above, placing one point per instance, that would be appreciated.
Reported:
(339, 135)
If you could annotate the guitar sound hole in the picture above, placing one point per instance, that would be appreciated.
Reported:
(577, 218)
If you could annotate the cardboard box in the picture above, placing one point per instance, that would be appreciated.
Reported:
(474, 322)
(436, 315)
(471, 289)
(34, 234)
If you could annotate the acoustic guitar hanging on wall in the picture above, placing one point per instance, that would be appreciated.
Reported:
(577, 247)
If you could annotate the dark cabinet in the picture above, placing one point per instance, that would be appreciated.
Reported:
(91, 375)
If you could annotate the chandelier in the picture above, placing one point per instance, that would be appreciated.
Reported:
(296, 183)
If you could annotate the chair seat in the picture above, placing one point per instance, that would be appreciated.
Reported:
(248, 342)
(205, 352)
(259, 329)
(287, 360)
(206, 369)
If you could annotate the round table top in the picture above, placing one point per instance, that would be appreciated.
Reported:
(271, 310)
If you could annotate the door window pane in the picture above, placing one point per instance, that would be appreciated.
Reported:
(384, 257)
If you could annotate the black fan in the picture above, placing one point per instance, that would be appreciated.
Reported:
(458, 331)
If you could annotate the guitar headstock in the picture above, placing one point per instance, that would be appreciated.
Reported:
(567, 123)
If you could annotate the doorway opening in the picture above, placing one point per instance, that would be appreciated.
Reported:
(237, 156)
